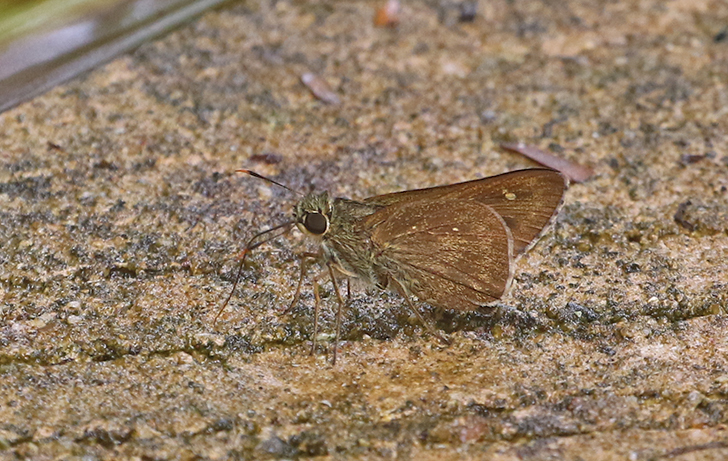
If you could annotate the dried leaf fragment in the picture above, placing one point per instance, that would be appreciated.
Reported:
(573, 171)
(320, 88)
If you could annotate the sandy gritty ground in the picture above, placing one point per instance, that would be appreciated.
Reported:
(121, 219)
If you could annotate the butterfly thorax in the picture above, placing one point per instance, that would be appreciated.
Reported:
(337, 224)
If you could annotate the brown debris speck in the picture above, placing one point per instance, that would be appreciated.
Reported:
(269, 158)
(388, 14)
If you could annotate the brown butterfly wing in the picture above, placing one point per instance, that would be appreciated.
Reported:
(525, 199)
(454, 254)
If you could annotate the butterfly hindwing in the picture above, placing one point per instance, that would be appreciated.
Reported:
(451, 253)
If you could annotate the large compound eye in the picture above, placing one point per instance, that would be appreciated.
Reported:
(316, 223)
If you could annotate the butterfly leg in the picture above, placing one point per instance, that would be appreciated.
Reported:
(317, 299)
(338, 312)
(305, 259)
(242, 257)
(254, 242)
(427, 324)
(317, 302)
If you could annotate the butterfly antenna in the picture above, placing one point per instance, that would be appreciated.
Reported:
(252, 244)
(260, 176)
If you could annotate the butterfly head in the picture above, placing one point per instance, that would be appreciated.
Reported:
(313, 214)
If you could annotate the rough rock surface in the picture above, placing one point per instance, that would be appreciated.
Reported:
(120, 221)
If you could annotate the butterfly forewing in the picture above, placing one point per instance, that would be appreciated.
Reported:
(454, 254)
(525, 199)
